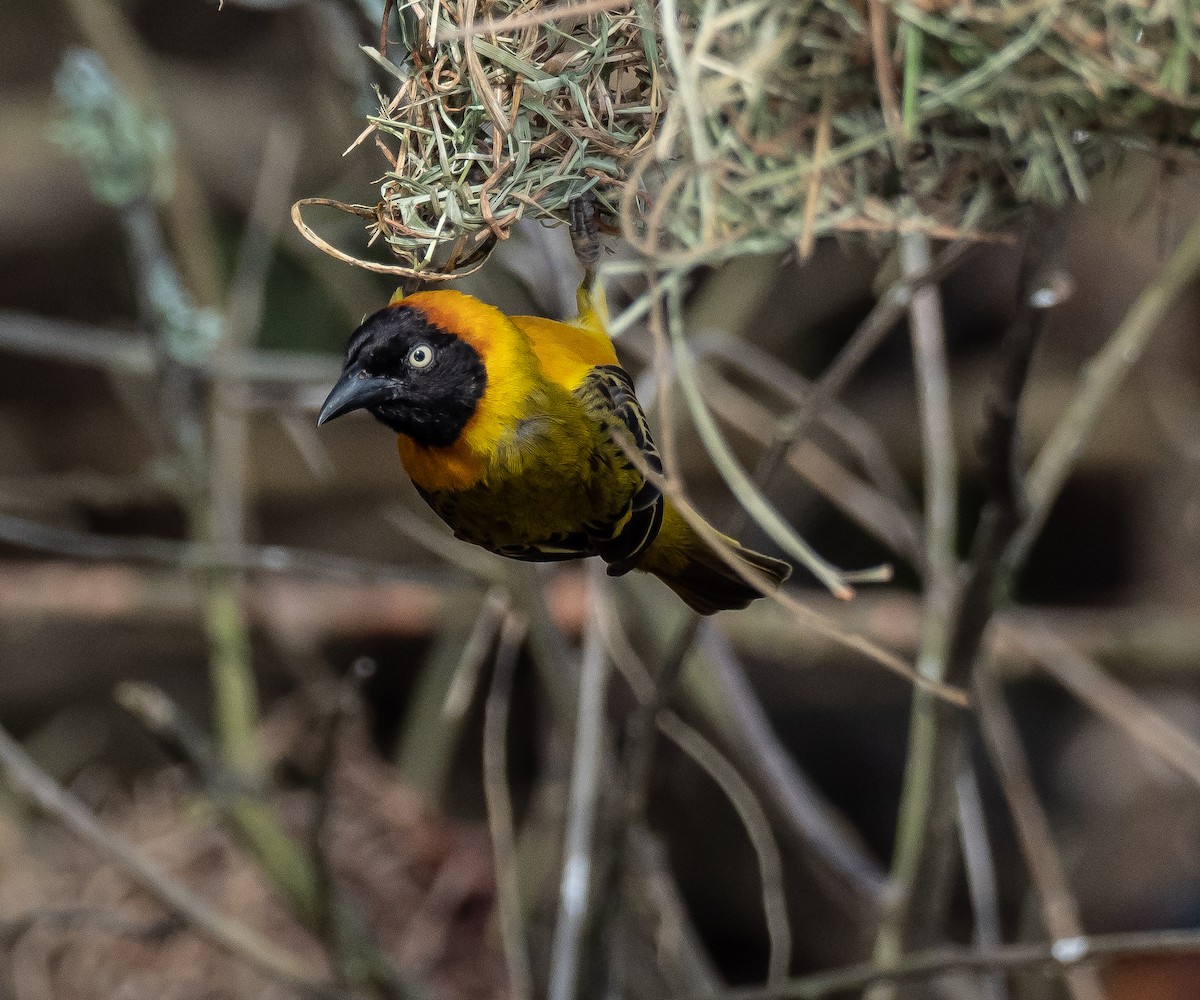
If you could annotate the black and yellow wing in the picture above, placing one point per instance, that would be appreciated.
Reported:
(607, 393)
(596, 499)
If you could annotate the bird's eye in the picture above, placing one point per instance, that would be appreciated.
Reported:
(420, 356)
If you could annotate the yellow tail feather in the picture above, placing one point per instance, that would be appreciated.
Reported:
(702, 579)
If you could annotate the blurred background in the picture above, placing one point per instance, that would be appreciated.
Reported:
(161, 516)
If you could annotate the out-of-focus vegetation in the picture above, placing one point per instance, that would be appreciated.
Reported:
(275, 733)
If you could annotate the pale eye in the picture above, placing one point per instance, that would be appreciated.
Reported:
(420, 356)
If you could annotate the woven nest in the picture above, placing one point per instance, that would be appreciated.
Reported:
(731, 126)
(501, 113)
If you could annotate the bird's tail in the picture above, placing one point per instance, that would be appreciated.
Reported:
(706, 583)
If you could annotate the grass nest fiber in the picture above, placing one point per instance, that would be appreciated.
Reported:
(708, 130)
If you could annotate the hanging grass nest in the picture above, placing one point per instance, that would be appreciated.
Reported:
(731, 126)
(501, 112)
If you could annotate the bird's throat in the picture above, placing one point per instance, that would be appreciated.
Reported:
(451, 468)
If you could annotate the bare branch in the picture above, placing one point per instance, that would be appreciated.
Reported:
(940, 480)
(133, 353)
(957, 612)
(1062, 955)
(199, 556)
(758, 827)
(980, 870)
(1103, 375)
(841, 858)
(1059, 907)
(575, 894)
(499, 809)
(883, 317)
(230, 936)
(1115, 701)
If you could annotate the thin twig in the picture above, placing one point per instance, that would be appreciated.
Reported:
(723, 697)
(739, 482)
(199, 556)
(958, 612)
(1063, 955)
(984, 581)
(575, 893)
(980, 866)
(232, 937)
(1113, 700)
(939, 456)
(814, 620)
(1059, 908)
(499, 809)
(670, 485)
(1103, 375)
(874, 510)
(880, 321)
(133, 353)
(860, 438)
(987, 577)
(842, 860)
(940, 478)
(758, 828)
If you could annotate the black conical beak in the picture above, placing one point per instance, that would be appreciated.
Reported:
(354, 391)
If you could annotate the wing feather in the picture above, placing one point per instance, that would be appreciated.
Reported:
(608, 393)
(622, 532)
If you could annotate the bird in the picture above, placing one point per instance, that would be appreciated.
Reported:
(511, 429)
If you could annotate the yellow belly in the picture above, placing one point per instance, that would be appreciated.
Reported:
(555, 477)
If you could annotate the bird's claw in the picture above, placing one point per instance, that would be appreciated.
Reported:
(585, 234)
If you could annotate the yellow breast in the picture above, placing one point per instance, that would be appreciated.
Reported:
(521, 356)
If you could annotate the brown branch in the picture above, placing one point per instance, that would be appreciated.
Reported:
(1102, 377)
(885, 76)
(1113, 700)
(880, 321)
(1059, 908)
(1004, 508)
(343, 703)
(232, 937)
(856, 435)
(501, 823)
(1060, 956)
(199, 556)
(133, 353)
(972, 601)
(956, 616)
(856, 880)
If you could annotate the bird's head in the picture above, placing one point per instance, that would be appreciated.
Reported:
(411, 374)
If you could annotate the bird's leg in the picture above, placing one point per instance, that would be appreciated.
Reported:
(585, 235)
(585, 239)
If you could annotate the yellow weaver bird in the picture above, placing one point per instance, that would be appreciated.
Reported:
(508, 427)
